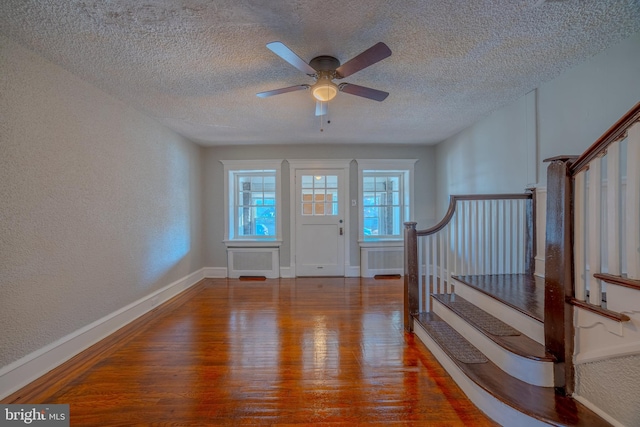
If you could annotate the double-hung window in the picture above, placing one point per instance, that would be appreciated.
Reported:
(252, 200)
(385, 198)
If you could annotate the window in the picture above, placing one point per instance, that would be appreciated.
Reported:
(382, 203)
(254, 208)
(385, 198)
(252, 200)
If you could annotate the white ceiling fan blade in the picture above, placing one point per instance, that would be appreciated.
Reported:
(288, 55)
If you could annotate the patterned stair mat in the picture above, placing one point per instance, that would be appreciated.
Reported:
(454, 343)
(481, 318)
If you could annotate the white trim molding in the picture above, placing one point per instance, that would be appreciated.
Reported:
(32, 366)
(215, 272)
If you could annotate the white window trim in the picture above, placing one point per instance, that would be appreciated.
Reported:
(406, 166)
(231, 166)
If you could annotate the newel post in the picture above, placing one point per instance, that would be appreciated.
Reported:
(411, 301)
(558, 281)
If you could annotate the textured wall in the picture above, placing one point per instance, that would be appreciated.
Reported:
(424, 186)
(614, 386)
(99, 205)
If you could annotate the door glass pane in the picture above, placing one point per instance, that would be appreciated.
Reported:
(307, 181)
(319, 195)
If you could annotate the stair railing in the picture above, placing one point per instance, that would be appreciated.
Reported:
(479, 234)
(592, 234)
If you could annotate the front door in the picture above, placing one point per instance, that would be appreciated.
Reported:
(320, 228)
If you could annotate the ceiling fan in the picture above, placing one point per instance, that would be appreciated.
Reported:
(326, 68)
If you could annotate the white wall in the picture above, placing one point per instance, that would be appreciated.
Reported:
(99, 204)
(424, 192)
(495, 155)
(576, 108)
(504, 152)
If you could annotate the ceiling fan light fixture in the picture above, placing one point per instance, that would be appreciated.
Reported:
(324, 90)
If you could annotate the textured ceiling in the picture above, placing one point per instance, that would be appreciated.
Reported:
(196, 65)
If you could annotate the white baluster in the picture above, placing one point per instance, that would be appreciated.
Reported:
(494, 237)
(488, 232)
(421, 291)
(464, 234)
(501, 240)
(481, 236)
(515, 238)
(594, 229)
(428, 271)
(613, 209)
(456, 246)
(511, 235)
(579, 236)
(434, 261)
(443, 261)
(632, 230)
(449, 258)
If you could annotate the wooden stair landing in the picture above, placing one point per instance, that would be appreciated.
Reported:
(541, 403)
(521, 292)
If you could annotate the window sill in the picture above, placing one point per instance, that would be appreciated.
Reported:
(382, 242)
(248, 243)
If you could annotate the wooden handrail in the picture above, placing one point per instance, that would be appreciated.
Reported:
(611, 315)
(615, 132)
(618, 280)
(453, 199)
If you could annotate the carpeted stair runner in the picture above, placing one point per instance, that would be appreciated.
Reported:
(476, 316)
(452, 342)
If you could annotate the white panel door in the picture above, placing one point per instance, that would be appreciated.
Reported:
(320, 228)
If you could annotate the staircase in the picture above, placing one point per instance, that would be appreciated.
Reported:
(563, 349)
(483, 345)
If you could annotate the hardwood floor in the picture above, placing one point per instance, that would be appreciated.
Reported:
(309, 351)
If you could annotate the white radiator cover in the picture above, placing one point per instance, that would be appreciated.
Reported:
(253, 262)
(381, 260)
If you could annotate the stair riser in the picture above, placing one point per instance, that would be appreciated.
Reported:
(529, 326)
(531, 371)
(494, 408)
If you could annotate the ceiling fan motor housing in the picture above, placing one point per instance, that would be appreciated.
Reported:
(324, 63)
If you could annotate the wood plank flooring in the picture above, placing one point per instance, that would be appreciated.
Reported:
(312, 351)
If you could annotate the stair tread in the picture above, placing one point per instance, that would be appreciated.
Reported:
(499, 332)
(522, 292)
(538, 402)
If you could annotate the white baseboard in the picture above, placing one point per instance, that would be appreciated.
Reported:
(539, 266)
(215, 272)
(352, 271)
(382, 271)
(286, 272)
(32, 366)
